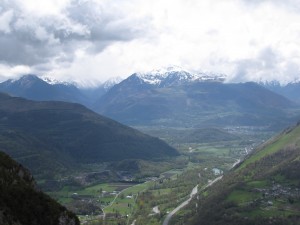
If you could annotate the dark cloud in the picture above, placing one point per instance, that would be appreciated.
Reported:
(16, 51)
(34, 40)
(105, 22)
(68, 37)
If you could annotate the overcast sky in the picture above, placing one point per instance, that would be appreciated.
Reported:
(92, 40)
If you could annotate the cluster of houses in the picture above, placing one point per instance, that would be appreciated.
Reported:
(278, 191)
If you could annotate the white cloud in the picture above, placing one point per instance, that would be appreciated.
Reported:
(42, 8)
(5, 20)
(8, 72)
(93, 40)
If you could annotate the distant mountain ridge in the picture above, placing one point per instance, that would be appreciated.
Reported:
(34, 88)
(161, 100)
(171, 76)
(172, 96)
(290, 90)
(48, 89)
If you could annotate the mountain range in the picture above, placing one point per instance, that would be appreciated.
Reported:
(290, 90)
(45, 89)
(175, 76)
(33, 87)
(54, 137)
(173, 97)
(177, 98)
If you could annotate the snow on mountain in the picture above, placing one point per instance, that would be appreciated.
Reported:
(111, 82)
(176, 75)
(161, 78)
(31, 78)
(53, 81)
(25, 81)
(89, 84)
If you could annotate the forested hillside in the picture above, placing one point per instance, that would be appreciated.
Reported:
(22, 203)
(263, 189)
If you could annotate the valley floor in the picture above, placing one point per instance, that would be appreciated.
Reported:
(153, 199)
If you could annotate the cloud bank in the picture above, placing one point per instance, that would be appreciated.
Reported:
(91, 40)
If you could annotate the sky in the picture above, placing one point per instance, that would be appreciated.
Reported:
(90, 41)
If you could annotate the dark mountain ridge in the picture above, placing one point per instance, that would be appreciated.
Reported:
(47, 136)
(135, 101)
(169, 98)
(32, 87)
(22, 203)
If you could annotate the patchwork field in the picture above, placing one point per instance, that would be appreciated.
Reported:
(153, 197)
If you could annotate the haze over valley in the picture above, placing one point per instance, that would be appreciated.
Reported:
(149, 112)
(92, 164)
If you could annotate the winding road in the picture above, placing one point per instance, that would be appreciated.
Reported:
(169, 216)
(193, 193)
(234, 164)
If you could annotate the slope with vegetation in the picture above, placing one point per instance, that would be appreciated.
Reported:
(264, 189)
(195, 104)
(52, 137)
(22, 204)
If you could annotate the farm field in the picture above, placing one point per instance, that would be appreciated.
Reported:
(152, 198)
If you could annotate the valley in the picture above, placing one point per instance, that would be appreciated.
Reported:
(188, 133)
(201, 161)
(264, 188)
(149, 112)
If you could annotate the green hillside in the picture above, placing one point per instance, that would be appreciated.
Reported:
(264, 189)
(22, 203)
(52, 137)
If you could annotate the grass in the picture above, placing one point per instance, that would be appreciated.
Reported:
(121, 202)
(241, 196)
(258, 184)
(279, 143)
(172, 174)
(270, 212)
(64, 196)
(169, 192)
(160, 192)
(212, 150)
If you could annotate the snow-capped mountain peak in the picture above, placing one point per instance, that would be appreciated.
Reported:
(176, 75)
(24, 81)
(111, 82)
(167, 70)
(53, 81)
